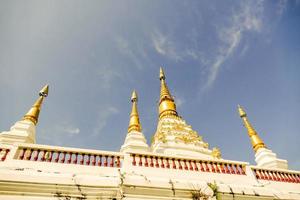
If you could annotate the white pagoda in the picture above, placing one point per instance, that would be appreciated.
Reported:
(178, 164)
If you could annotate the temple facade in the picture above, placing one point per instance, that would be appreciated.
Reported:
(177, 164)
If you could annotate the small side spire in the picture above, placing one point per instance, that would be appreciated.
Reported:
(167, 105)
(256, 141)
(33, 114)
(134, 122)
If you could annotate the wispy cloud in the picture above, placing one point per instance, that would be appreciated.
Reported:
(106, 75)
(163, 45)
(281, 7)
(134, 49)
(176, 50)
(179, 100)
(248, 18)
(71, 130)
(126, 48)
(103, 116)
(56, 134)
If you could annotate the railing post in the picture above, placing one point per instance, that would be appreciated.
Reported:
(105, 161)
(162, 165)
(173, 163)
(221, 167)
(140, 160)
(212, 165)
(146, 161)
(6, 151)
(118, 161)
(93, 161)
(156, 162)
(63, 157)
(201, 166)
(191, 166)
(179, 164)
(99, 163)
(133, 160)
(217, 168)
(168, 164)
(76, 157)
(82, 159)
(36, 157)
(185, 165)
(89, 159)
(151, 161)
(112, 161)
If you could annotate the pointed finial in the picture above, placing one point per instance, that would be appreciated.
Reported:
(134, 122)
(33, 114)
(44, 91)
(256, 141)
(134, 96)
(166, 102)
(241, 111)
(161, 74)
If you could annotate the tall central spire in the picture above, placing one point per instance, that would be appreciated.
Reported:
(256, 141)
(33, 114)
(166, 102)
(173, 135)
(134, 122)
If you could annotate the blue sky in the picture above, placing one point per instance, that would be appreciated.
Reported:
(216, 55)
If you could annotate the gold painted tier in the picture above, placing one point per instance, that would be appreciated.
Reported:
(166, 102)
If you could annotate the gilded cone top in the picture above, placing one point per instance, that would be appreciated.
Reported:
(166, 102)
(134, 122)
(241, 111)
(161, 74)
(256, 141)
(33, 114)
(134, 96)
(44, 91)
(164, 91)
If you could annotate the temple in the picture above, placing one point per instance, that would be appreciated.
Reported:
(178, 164)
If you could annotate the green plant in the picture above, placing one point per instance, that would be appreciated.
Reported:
(214, 187)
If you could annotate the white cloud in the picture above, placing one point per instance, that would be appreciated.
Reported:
(66, 129)
(159, 42)
(281, 6)
(71, 130)
(179, 102)
(163, 45)
(244, 50)
(107, 75)
(57, 133)
(126, 48)
(103, 116)
(248, 18)
(196, 55)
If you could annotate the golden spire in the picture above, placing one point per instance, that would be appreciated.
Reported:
(256, 141)
(134, 122)
(166, 102)
(33, 114)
